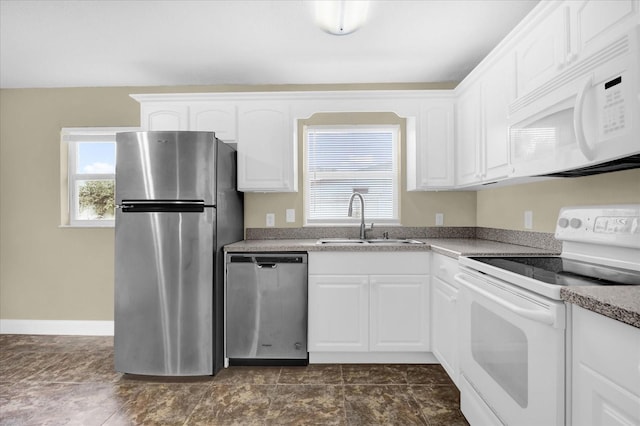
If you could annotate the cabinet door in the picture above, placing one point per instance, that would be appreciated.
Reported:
(399, 313)
(605, 377)
(164, 116)
(214, 117)
(430, 159)
(468, 138)
(543, 53)
(498, 91)
(338, 313)
(597, 23)
(444, 326)
(267, 157)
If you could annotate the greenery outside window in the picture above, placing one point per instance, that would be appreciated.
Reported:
(91, 161)
(341, 160)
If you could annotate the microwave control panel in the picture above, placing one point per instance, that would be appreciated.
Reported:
(612, 107)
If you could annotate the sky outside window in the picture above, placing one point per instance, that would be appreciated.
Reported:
(96, 157)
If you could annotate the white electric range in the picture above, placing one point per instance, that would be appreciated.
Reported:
(513, 321)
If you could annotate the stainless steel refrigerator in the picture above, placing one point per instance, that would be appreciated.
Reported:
(177, 206)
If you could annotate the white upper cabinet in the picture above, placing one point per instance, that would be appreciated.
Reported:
(482, 129)
(498, 91)
(218, 117)
(542, 53)
(468, 137)
(267, 155)
(164, 116)
(430, 154)
(570, 32)
(595, 24)
(263, 130)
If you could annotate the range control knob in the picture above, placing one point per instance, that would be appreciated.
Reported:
(575, 223)
(563, 222)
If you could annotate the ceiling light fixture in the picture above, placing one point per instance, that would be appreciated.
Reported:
(341, 17)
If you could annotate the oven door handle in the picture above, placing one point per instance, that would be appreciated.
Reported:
(547, 318)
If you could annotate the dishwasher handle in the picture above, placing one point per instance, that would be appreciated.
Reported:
(267, 261)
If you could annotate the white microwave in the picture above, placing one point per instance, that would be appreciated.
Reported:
(587, 115)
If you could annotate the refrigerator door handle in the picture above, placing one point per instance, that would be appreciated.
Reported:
(165, 206)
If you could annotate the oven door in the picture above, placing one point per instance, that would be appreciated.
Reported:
(511, 351)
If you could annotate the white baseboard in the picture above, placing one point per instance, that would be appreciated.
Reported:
(58, 327)
(372, 358)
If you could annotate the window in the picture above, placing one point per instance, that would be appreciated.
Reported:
(341, 160)
(90, 185)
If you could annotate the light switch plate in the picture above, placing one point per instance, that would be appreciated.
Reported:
(439, 219)
(528, 219)
(271, 219)
(291, 215)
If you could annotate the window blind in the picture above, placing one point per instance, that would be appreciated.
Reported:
(341, 161)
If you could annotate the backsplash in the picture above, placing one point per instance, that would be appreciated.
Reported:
(540, 240)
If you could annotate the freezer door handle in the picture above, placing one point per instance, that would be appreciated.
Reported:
(167, 206)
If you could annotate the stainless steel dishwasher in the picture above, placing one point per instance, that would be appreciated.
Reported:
(266, 306)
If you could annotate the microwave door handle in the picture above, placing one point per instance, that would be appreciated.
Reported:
(546, 318)
(578, 125)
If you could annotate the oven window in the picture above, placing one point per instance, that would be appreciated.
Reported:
(501, 350)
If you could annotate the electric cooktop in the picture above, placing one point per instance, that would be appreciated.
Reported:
(560, 271)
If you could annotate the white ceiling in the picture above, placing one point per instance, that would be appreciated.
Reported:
(86, 43)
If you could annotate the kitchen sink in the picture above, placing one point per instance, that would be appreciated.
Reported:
(341, 241)
(372, 241)
(393, 241)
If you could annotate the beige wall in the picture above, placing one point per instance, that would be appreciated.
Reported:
(504, 207)
(52, 272)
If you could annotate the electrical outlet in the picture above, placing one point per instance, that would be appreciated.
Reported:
(528, 219)
(271, 219)
(439, 219)
(291, 215)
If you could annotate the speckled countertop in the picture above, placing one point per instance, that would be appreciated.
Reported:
(620, 302)
(452, 247)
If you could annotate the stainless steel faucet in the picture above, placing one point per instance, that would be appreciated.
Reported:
(350, 213)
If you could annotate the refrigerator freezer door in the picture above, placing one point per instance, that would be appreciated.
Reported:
(165, 166)
(164, 293)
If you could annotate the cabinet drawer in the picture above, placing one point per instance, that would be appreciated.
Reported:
(370, 263)
(445, 268)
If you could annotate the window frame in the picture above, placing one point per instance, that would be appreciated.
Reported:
(395, 173)
(70, 138)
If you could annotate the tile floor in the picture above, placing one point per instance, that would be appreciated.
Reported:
(60, 380)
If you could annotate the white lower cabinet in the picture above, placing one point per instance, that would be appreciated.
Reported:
(399, 317)
(338, 313)
(605, 385)
(444, 313)
(370, 302)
